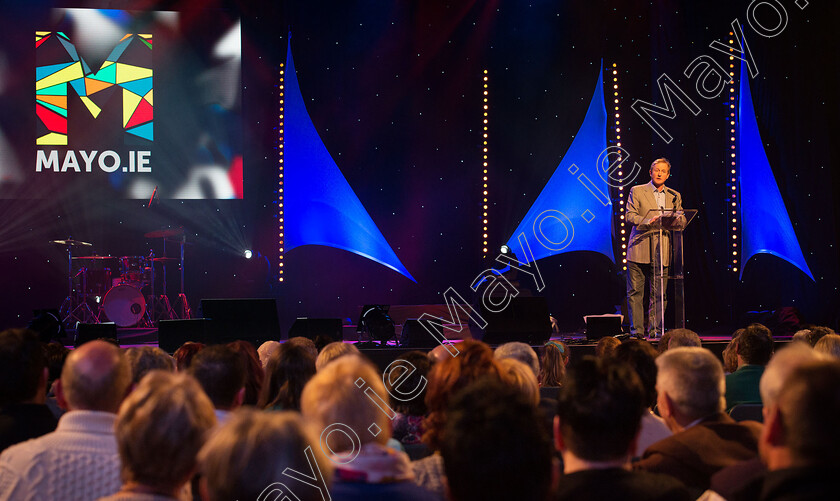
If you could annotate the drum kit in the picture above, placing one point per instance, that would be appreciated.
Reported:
(121, 289)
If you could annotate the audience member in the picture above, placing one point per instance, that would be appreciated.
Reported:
(555, 358)
(221, 373)
(144, 359)
(800, 440)
(743, 480)
(254, 374)
(184, 354)
(640, 355)
(683, 337)
(405, 380)
(521, 352)
(358, 429)
(752, 350)
(606, 346)
(446, 378)
(521, 377)
(56, 355)
(23, 388)
(80, 456)
(662, 344)
(598, 418)
(730, 358)
(305, 343)
(250, 456)
(690, 386)
(266, 350)
(803, 336)
(160, 428)
(817, 332)
(495, 448)
(332, 351)
(289, 369)
(829, 345)
(439, 353)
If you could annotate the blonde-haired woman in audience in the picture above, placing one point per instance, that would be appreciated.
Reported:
(160, 428)
(247, 459)
(347, 401)
(829, 344)
(332, 351)
(522, 377)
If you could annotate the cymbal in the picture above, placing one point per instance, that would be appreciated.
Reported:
(169, 232)
(94, 257)
(71, 242)
(165, 259)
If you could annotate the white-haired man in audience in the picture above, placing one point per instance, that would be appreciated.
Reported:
(800, 440)
(743, 480)
(690, 386)
(519, 351)
(79, 459)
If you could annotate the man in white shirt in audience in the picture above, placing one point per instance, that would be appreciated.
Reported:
(79, 459)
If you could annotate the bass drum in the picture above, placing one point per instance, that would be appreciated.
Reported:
(124, 305)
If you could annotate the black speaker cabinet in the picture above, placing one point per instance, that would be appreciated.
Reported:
(313, 328)
(173, 333)
(525, 319)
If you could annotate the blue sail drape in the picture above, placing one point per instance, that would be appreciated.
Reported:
(320, 206)
(765, 224)
(573, 212)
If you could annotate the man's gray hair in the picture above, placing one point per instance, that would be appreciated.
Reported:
(781, 366)
(693, 378)
(519, 351)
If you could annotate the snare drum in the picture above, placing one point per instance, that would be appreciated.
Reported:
(124, 305)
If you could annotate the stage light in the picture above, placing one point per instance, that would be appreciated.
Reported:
(280, 205)
(248, 254)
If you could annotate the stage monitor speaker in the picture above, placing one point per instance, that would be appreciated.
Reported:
(174, 333)
(526, 319)
(413, 335)
(252, 320)
(313, 328)
(598, 326)
(90, 332)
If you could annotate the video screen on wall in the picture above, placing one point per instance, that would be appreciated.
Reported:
(120, 104)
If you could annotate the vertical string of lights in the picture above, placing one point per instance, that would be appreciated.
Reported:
(733, 178)
(622, 223)
(485, 113)
(280, 236)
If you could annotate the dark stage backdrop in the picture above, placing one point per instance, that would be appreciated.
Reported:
(394, 90)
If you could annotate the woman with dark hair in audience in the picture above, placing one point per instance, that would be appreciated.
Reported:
(254, 370)
(183, 356)
(289, 369)
(730, 358)
(640, 355)
(555, 358)
(475, 360)
(408, 425)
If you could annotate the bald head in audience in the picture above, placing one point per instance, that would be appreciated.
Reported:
(96, 377)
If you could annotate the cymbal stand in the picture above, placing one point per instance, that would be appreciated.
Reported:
(184, 311)
(160, 307)
(75, 309)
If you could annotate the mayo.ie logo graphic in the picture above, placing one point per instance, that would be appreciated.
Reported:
(51, 82)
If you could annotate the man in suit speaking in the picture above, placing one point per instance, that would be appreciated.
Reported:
(644, 248)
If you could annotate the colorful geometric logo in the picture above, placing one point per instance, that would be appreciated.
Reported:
(128, 67)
